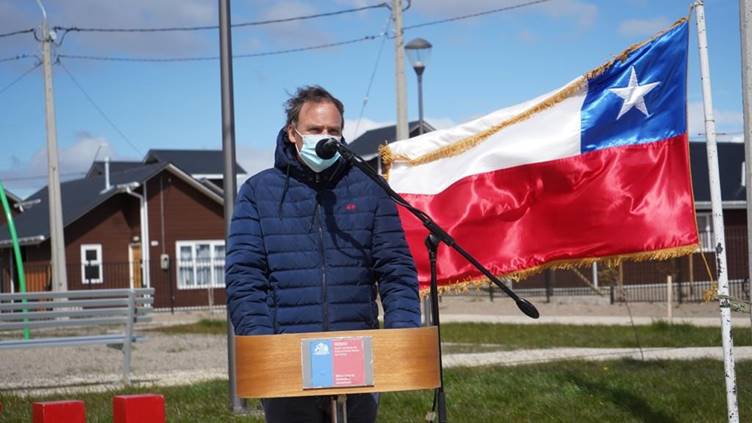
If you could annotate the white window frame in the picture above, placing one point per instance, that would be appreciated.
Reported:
(211, 263)
(84, 263)
(705, 233)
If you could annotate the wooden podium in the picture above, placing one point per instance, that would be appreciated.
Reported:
(271, 366)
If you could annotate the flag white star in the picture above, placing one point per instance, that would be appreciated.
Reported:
(633, 95)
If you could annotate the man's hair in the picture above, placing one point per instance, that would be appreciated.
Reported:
(310, 94)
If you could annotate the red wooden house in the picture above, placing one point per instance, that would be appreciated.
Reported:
(149, 223)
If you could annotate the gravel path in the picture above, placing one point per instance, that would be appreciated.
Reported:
(159, 359)
(175, 360)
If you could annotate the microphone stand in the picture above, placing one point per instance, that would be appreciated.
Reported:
(436, 236)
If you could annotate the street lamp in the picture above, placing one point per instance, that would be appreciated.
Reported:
(418, 51)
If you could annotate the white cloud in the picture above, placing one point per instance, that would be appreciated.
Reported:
(295, 31)
(442, 123)
(733, 137)
(643, 27)
(729, 123)
(26, 177)
(581, 11)
(354, 129)
(113, 14)
(253, 159)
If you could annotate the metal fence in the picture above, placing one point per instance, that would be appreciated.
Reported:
(643, 282)
(681, 292)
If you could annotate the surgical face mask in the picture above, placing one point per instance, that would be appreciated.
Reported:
(308, 152)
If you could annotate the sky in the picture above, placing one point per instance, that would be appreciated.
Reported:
(121, 109)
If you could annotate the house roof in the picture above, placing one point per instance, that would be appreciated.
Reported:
(195, 162)
(12, 198)
(730, 162)
(80, 196)
(367, 144)
(97, 168)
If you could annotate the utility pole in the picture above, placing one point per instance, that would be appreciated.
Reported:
(57, 240)
(237, 405)
(745, 16)
(403, 131)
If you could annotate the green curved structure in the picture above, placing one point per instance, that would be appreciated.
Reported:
(16, 247)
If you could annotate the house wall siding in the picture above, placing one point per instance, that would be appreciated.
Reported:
(113, 225)
(188, 215)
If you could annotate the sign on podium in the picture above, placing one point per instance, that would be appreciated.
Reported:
(336, 363)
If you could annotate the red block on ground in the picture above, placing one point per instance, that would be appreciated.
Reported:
(58, 412)
(145, 408)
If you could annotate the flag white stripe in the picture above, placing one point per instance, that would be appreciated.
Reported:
(551, 134)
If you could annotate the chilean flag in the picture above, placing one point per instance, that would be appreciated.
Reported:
(596, 170)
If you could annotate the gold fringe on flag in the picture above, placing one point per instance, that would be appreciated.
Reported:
(462, 286)
(459, 147)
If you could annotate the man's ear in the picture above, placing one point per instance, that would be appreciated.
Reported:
(291, 133)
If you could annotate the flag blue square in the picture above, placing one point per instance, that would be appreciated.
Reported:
(641, 99)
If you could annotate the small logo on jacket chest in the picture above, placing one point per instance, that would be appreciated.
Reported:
(350, 207)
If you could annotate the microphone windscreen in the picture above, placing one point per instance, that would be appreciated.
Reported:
(326, 148)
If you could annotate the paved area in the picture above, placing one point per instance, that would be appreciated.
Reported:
(581, 311)
(181, 359)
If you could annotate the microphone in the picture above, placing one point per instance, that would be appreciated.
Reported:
(326, 148)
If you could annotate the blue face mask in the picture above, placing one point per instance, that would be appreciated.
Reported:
(308, 152)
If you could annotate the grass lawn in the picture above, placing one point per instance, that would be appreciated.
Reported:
(512, 337)
(623, 391)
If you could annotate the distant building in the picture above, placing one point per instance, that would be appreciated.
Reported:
(15, 206)
(156, 225)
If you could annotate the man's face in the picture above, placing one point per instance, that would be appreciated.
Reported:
(316, 118)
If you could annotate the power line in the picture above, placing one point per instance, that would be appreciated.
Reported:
(23, 31)
(373, 75)
(210, 27)
(16, 57)
(12, 83)
(274, 52)
(475, 15)
(212, 58)
(99, 109)
(29, 178)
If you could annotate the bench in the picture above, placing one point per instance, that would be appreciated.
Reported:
(89, 309)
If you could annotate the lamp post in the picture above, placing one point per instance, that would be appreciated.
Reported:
(418, 51)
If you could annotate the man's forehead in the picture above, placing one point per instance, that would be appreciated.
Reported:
(313, 112)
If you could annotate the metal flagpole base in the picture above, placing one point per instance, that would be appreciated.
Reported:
(339, 409)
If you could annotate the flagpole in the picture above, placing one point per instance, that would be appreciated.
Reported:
(718, 228)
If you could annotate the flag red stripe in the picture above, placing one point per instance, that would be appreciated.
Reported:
(614, 201)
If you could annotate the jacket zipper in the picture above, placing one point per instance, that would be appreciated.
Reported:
(324, 304)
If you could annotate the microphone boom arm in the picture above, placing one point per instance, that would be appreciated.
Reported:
(433, 228)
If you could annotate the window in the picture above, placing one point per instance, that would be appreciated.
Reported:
(201, 264)
(91, 263)
(705, 231)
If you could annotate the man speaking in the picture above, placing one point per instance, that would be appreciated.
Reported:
(311, 244)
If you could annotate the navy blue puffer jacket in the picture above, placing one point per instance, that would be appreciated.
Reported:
(308, 252)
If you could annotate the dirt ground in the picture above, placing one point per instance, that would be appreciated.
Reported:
(565, 310)
(582, 310)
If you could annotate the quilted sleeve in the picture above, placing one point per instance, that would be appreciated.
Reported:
(394, 266)
(246, 270)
